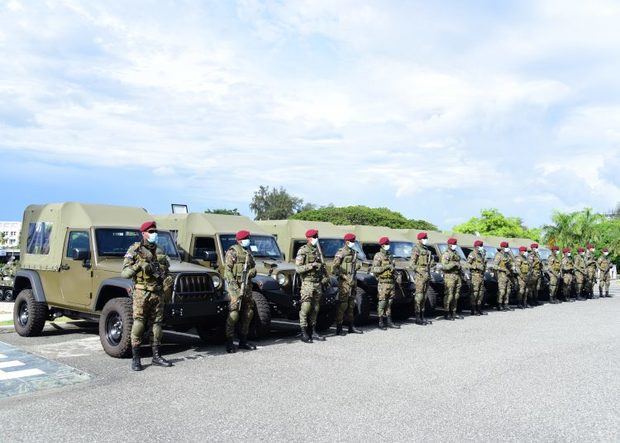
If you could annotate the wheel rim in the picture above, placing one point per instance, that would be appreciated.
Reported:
(23, 314)
(114, 328)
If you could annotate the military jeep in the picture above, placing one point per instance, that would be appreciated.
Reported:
(71, 261)
(204, 239)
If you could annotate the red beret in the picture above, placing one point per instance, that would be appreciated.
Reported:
(478, 243)
(147, 225)
(590, 246)
(605, 250)
(452, 241)
(422, 235)
(503, 244)
(312, 233)
(581, 250)
(534, 245)
(349, 237)
(242, 235)
(522, 249)
(565, 250)
(384, 241)
(555, 248)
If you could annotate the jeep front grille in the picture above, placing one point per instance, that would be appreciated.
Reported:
(190, 287)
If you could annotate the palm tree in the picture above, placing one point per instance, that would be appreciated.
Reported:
(573, 229)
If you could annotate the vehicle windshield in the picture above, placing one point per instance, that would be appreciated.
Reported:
(515, 251)
(329, 247)
(401, 249)
(443, 247)
(490, 252)
(263, 246)
(544, 253)
(114, 242)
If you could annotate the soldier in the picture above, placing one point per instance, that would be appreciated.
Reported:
(310, 266)
(383, 268)
(604, 268)
(590, 270)
(477, 265)
(567, 270)
(536, 275)
(503, 264)
(451, 265)
(345, 267)
(239, 269)
(148, 266)
(523, 277)
(421, 265)
(554, 265)
(580, 272)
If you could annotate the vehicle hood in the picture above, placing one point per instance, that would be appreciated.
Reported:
(264, 264)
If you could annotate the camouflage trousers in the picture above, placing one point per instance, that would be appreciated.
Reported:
(567, 285)
(477, 289)
(580, 280)
(245, 314)
(421, 286)
(385, 295)
(346, 296)
(603, 283)
(590, 281)
(554, 282)
(148, 306)
(504, 287)
(311, 294)
(452, 291)
(534, 286)
(524, 290)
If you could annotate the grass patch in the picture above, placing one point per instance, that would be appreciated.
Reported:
(58, 320)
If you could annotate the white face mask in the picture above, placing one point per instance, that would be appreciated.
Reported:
(481, 248)
(314, 241)
(424, 241)
(568, 254)
(386, 247)
(506, 249)
(153, 237)
(605, 254)
(592, 251)
(453, 247)
(351, 244)
(557, 252)
(525, 254)
(245, 242)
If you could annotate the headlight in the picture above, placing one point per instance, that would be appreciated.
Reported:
(282, 279)
(217, 281)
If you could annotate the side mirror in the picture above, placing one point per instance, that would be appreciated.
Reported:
(81, 254)
(210, 256)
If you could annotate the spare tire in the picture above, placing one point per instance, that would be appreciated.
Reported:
(115, 326)
(261, 322)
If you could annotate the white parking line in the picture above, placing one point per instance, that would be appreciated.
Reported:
(10, 364)
(16, 374)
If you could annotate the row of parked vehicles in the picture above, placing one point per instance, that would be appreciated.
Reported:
(72, 254)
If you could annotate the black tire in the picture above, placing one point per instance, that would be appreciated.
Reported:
(1, 295)
(29, 315)
(261, 322)
(363, 306)
(209, 334)
(434, 297)
(326, 319)
(8, 295)
(402, 311)
(115, 327)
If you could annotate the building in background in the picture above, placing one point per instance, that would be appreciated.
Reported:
(9, 235)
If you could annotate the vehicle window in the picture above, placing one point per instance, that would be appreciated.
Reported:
(360, 253)
(401, 249)
(467, 251)
(544, 253)
(296, 245)
(260, 245)
(370, 249)
(166, 244)
(202, 245)
(114, 242)
(38, 241)
(77, 240)
(490, 252)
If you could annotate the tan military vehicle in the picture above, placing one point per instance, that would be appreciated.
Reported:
(205, 238)
(71, 261)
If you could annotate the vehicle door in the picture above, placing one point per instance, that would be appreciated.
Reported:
(75, 269)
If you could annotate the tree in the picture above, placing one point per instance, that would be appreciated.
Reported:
(223, 211)
(363, 215)
(275, 204)
(573, 229)
(493, 222)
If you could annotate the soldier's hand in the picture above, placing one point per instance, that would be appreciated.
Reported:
(146, 267)
(316, 265)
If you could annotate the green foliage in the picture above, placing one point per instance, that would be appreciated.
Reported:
(223, 211)
(492, 222)
(363, 215)
(275, 204)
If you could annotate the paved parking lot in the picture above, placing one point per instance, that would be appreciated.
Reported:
(549, 373)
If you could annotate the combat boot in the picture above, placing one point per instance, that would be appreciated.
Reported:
(481, 312)
(521, 305)
(158, 360)
(136, 365)
(600, 292)
(457, 316)
(418, 319)
(305, 337)
(381, 324)
(316, 335)
(339, 330)
(391, 325)
(353, 329)
(473, 311)
(245, 344)
(423, 319)
(607, 294)
(231, 348)
(499, 308)
(508, 308)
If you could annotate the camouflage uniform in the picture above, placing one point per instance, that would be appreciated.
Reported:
(451, 265)
(567, 270)
(503, 264)
(310, 267)
(522, 265)
(234, 263)
(604, 266)
(421, 264)
(477, 265)
(554, 265)
(536, 276)
(383, 268)
(344, 267)
(590, 274)
(148, 266)
(580, 275)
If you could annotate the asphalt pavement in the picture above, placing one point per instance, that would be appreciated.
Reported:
(549, 373)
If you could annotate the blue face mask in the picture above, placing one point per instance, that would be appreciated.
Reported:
(152, 237)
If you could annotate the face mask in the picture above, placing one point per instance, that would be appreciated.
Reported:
(534, 250)
(568, 254)
(424, 241)
(605, 254)
(245, 242)
(453, 247)
(592, 251)
(386, 247)
(506, 249)
(350, 244)
(152, 237)
(525, 254)
(314, 241)
(481, 248)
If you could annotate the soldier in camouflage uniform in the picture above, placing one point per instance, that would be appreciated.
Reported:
(554, 265)
(477, 263)
(451, 265)
(503, 264)
(148, 266)
(580, 272)
(344, 267)
(239, 265)
(421, 264)
(567, 270)
(590, 270)
(523, 275)
(536, 274)
(310, 266)
(383, 268)
(604, 268)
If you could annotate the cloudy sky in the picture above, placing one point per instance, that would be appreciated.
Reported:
(435, 109)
